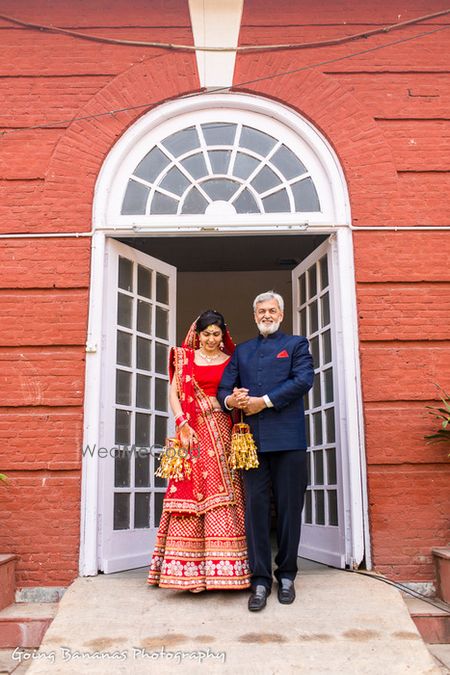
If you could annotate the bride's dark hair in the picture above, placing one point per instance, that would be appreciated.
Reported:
(210, 318)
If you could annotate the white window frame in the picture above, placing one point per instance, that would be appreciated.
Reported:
(105, 223)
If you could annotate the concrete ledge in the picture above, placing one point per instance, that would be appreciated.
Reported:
(441, 557)
(7, 578)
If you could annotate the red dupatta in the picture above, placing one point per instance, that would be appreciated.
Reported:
(196, 494)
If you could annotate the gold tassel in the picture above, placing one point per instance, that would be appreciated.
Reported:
(243, 452)
(174, 461)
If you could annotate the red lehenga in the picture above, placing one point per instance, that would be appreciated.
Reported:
(201, 542)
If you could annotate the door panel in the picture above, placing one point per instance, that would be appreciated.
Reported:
(323, 528)
(139, 326)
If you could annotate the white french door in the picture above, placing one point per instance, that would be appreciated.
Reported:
(323, 526)
(138, 327)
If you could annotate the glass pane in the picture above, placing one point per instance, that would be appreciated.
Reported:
(308, 466)
(151, 166)
(314, 346)
(122, 467)
(142, 468)
(308, 437)
(331, 466)
(323, 267)
(162, 204)
(246, 203)
(319, 503)
(306, 401)
(195, 165)
(123, 357)
(325, 313)
(332, 507)
(162, 288)
(162, 323)
(303, 327)
(328, 385)
(302, 289)
(318, 467)
(144, 354)
(313, 318)
(144, 317)
(329, 425)
(316, 392)
(265, 179)
(160, 430)
(317, 424)
(123, 387)
(277, 203)
(256, 140)
(161, 358)
(182, 141)
(244, 165)
(312, 282)
(161, 389)
(194, 202)
(125, 274)
(289, 165)
(220, 160)
(219, 133)
(159, 498)
(326, 346)
(135, 200)
(124, 310)
(220, 188)
(122, 427)
(121, 511)
(175, 181)
(143, 383)
(308, 507)
(142, 431)
(305, 196)
(141, 510)
(144, 282)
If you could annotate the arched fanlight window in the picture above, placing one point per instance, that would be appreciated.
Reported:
(193, 169)
(221, 159)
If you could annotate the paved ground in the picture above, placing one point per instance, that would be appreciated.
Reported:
(340, 623)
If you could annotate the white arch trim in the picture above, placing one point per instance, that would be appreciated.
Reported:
(275, 119)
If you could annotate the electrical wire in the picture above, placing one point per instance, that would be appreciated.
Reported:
(241, 49)
(237, 85)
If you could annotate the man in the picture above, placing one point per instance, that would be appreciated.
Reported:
(267, 377)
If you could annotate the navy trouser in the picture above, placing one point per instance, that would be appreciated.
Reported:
(286, 472)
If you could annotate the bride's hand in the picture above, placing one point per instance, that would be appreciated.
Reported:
(187, 435)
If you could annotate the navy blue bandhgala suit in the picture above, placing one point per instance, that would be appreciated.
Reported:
(280, 366)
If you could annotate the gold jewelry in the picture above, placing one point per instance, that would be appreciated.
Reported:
(211, 327)
(209, 358)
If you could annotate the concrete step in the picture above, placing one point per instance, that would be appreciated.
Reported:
(441, 558)
(7, 579)
(432, 620)
(23, 624)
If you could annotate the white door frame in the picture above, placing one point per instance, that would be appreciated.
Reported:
(348, 376)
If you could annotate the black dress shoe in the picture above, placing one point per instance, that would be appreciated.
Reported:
(257, 600)
(286, 591)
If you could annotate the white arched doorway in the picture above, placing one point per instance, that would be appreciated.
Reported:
(207, 171)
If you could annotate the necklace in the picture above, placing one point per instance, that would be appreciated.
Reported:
(209, 358)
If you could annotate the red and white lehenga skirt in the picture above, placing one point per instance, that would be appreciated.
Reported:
(201, 538)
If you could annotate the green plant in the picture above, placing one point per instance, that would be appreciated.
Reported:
(3, 477)
(443, 415)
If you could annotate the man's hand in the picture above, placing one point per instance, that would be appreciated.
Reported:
(238, 399)
(254, 405)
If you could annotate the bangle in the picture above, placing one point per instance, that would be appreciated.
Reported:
(177, 417)
(182, 423)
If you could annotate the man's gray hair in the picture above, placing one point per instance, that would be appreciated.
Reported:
(268, 295)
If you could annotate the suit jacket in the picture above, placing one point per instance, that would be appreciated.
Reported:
(280, 366)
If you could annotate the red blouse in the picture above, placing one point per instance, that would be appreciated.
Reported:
(208, 377)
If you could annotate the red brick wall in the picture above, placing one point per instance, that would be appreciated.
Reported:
(386, 113)
(47, 178)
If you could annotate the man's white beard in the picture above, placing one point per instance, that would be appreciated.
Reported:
(268, 329)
